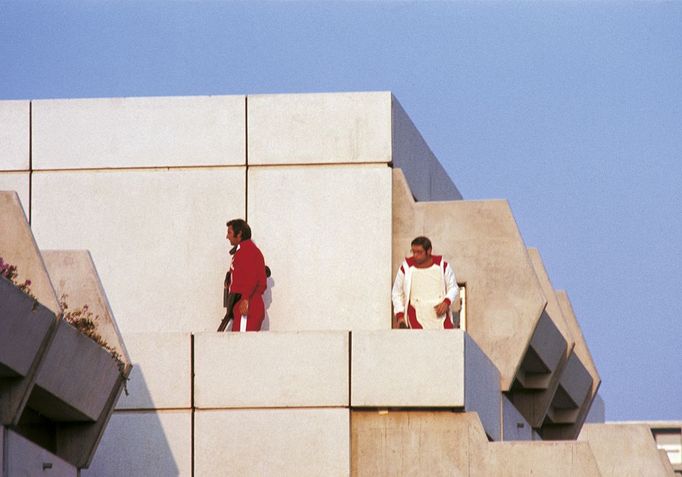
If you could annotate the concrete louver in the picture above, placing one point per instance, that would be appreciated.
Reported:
(481, 239)
(58, 388)
(539, 376)
(579, 384)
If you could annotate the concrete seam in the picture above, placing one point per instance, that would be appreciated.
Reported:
(246, 158)
(30, 160)
(140, 168)
(192, 440)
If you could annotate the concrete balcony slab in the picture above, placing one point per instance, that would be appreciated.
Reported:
(424, 369)
(283, 442)
(25, 458)
(14, 135)
(274, 369)
(338, 128)
(139, 132)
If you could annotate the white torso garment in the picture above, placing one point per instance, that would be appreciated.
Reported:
(427, 291)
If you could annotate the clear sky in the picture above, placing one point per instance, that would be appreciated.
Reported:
(571, 111)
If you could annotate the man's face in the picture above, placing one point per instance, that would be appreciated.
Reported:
(234, 239)
(420, 255)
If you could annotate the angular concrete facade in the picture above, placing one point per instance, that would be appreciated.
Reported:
(335, 186)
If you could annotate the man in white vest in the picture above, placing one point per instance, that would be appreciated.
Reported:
(425, 290)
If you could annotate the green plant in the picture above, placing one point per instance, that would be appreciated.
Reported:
(84, 321)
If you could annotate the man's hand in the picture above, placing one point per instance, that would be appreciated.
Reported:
(442, 308)
(244, 307)
(400, 320)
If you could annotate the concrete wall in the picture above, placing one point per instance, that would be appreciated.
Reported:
(311, 223)
(19, 183)
(138, 132)
(550, 459)
(14, 135)
(145, 443)
(284, 442)
(162, 372)
(162, 258)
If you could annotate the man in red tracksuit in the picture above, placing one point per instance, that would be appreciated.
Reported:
(247, 278)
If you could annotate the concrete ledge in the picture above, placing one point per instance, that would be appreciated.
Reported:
(274, 369)
(162, 375)
(408, 368)
(145, 443)
(319, 128)
(282, 442)
(555, 459)
(623, 449)
(425, 369)
(139, 132)
(14, 135)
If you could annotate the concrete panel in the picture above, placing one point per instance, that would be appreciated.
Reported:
(145, 443)
(482, 388)
(158, 237)
(24, 458)
(406, 443)
(515, 426)
(18, 182)
(162, 373)
(14, 135)
(79, 373)
(425, 175)
(623, 450)
(415, 368)
(19, 248)
(310, 222)
(520, 459)
(482, 242)
(319, 128)
(139, 132)
(665, 462)
(276, 369)
(283, 442)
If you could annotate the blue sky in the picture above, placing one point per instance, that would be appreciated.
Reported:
(570, 110)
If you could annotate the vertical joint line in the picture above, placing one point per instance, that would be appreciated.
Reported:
(191, 371)
(30, 160)
(246, 157)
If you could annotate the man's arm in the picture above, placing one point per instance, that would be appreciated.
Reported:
(452, 289)
(398, 296)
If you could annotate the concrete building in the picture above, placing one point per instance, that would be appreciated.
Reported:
(334, 186)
